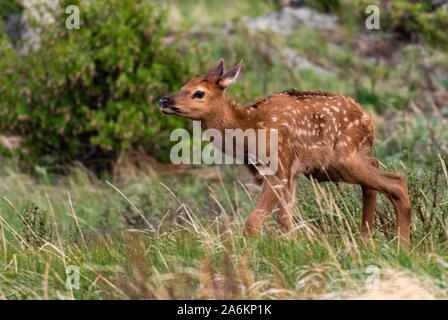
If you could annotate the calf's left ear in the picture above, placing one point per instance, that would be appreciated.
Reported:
(230, 76)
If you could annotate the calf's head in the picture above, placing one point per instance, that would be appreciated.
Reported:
(202, 95)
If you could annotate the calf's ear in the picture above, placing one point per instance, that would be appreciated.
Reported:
(230, 76)
(217, 70)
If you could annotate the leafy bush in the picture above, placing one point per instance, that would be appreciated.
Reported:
(412, 20)
(90, 93)
(419, 20)
(9, 7)
(324, 5)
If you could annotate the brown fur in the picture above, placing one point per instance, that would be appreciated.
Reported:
(325, 136)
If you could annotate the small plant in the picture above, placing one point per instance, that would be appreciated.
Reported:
(9, 7)
(36, 227)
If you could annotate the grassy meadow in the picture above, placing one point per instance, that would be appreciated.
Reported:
(152, 230)
(159, 232)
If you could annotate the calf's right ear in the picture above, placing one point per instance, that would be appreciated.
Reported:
(217, 70)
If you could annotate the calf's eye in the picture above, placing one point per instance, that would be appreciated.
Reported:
(198, 94)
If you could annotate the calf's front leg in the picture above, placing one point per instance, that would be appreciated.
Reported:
(267, 202)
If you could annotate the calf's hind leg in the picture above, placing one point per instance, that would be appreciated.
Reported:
(369, 196)
(398, 194)
(368, 209)
(362, 170)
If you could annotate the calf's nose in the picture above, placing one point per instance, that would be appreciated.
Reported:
(163, 102)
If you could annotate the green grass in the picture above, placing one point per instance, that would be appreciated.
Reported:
(150, 235)
(153, 232)
(206, 13)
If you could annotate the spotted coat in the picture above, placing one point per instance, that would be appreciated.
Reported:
(314, 127)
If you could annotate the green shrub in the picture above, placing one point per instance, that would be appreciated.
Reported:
(36, 226)
(419, 20)
(324, 5)
(9, 7)
(91, 93)
(412, 20)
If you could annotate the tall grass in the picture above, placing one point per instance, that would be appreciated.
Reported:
(149, 236)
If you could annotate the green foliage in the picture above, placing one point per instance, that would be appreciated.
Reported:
(412, 20)
(9, 7)
(419, 20)
(91, 92)
(324, 5)
(215, 13)
(7, 62)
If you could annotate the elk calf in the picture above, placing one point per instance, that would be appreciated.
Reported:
(325, 136)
